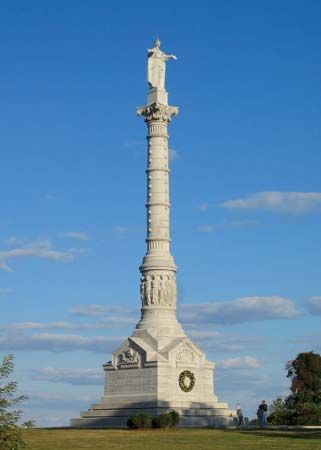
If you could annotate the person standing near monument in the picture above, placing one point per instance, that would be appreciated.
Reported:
(240, 416)
(262, 413)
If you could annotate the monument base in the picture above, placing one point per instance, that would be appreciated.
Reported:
(216, 415)
(155, 372)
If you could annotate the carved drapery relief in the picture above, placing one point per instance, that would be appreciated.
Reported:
(128, 356)
(158, 290)
(185, 355)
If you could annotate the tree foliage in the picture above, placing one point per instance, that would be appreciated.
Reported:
(305, 374)
(303, 405)
(10, 433)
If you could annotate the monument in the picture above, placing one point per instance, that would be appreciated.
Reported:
(158, 368)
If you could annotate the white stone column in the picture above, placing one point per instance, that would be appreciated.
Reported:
(158, 280)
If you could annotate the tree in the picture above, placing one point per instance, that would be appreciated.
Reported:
(305, 374)
(303, 405)
(10, 432)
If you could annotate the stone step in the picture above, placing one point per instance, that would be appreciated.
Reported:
(127, 412)
(185, 421)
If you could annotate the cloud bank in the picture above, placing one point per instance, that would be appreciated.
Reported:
(16, 341)
(314, 305)
(76, 377)
(241, 310)
(277, 201)
(41, 249)
(241, 362)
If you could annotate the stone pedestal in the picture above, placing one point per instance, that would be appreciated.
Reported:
(158, 368)
(155, 375)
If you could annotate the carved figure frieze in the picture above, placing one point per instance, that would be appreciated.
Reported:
(158, 290)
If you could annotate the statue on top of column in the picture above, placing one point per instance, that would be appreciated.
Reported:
(156, 66)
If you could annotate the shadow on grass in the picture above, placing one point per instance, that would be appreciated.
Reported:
(302, 434)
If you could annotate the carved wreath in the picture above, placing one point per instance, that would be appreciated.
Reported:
(188, 376)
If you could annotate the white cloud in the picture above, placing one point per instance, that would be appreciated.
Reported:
(77, 235)
(241, 362)
(277, 201)
(216, 342)
(72, 376)
(314, 305)
(204, 207)
(13, 240)
(96, 310)
(120, 229)
(90, 310)
(105, 322)
(41, 249)
(16, 340)
(227, 225)
(312, 342)
(133, 144)
(245, 309)
(25, 326)
(207, 228)
(5, 291)
(173, 154)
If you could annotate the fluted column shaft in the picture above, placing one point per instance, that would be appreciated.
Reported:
(158, 281)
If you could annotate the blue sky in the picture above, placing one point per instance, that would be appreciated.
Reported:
(245, 189)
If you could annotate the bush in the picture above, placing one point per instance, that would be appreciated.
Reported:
(309, 414)
(143, 420)
(140, 420)
(285, 412)
(166, 420)
(175, 418)
(282, 413)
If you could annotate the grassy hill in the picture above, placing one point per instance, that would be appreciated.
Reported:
(181, 439)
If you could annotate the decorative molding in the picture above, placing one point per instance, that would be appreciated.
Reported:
(158, 290)
(157, 112)
(185, 355)
(128, 356)
(186, 380)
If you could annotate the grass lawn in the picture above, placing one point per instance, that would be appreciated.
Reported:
(188, 439)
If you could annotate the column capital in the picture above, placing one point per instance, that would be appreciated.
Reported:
(157, 112)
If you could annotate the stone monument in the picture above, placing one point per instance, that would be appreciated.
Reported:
(158, 368)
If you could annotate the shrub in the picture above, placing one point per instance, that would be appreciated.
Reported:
(166, 420)
(175, 418)
(140, 420)
(309, 414)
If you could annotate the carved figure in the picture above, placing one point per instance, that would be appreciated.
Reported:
(156, 65)
(154, 299)
(142, 289)
(148, 292)
(161, 291)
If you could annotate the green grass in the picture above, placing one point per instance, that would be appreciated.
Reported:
(190, 439)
